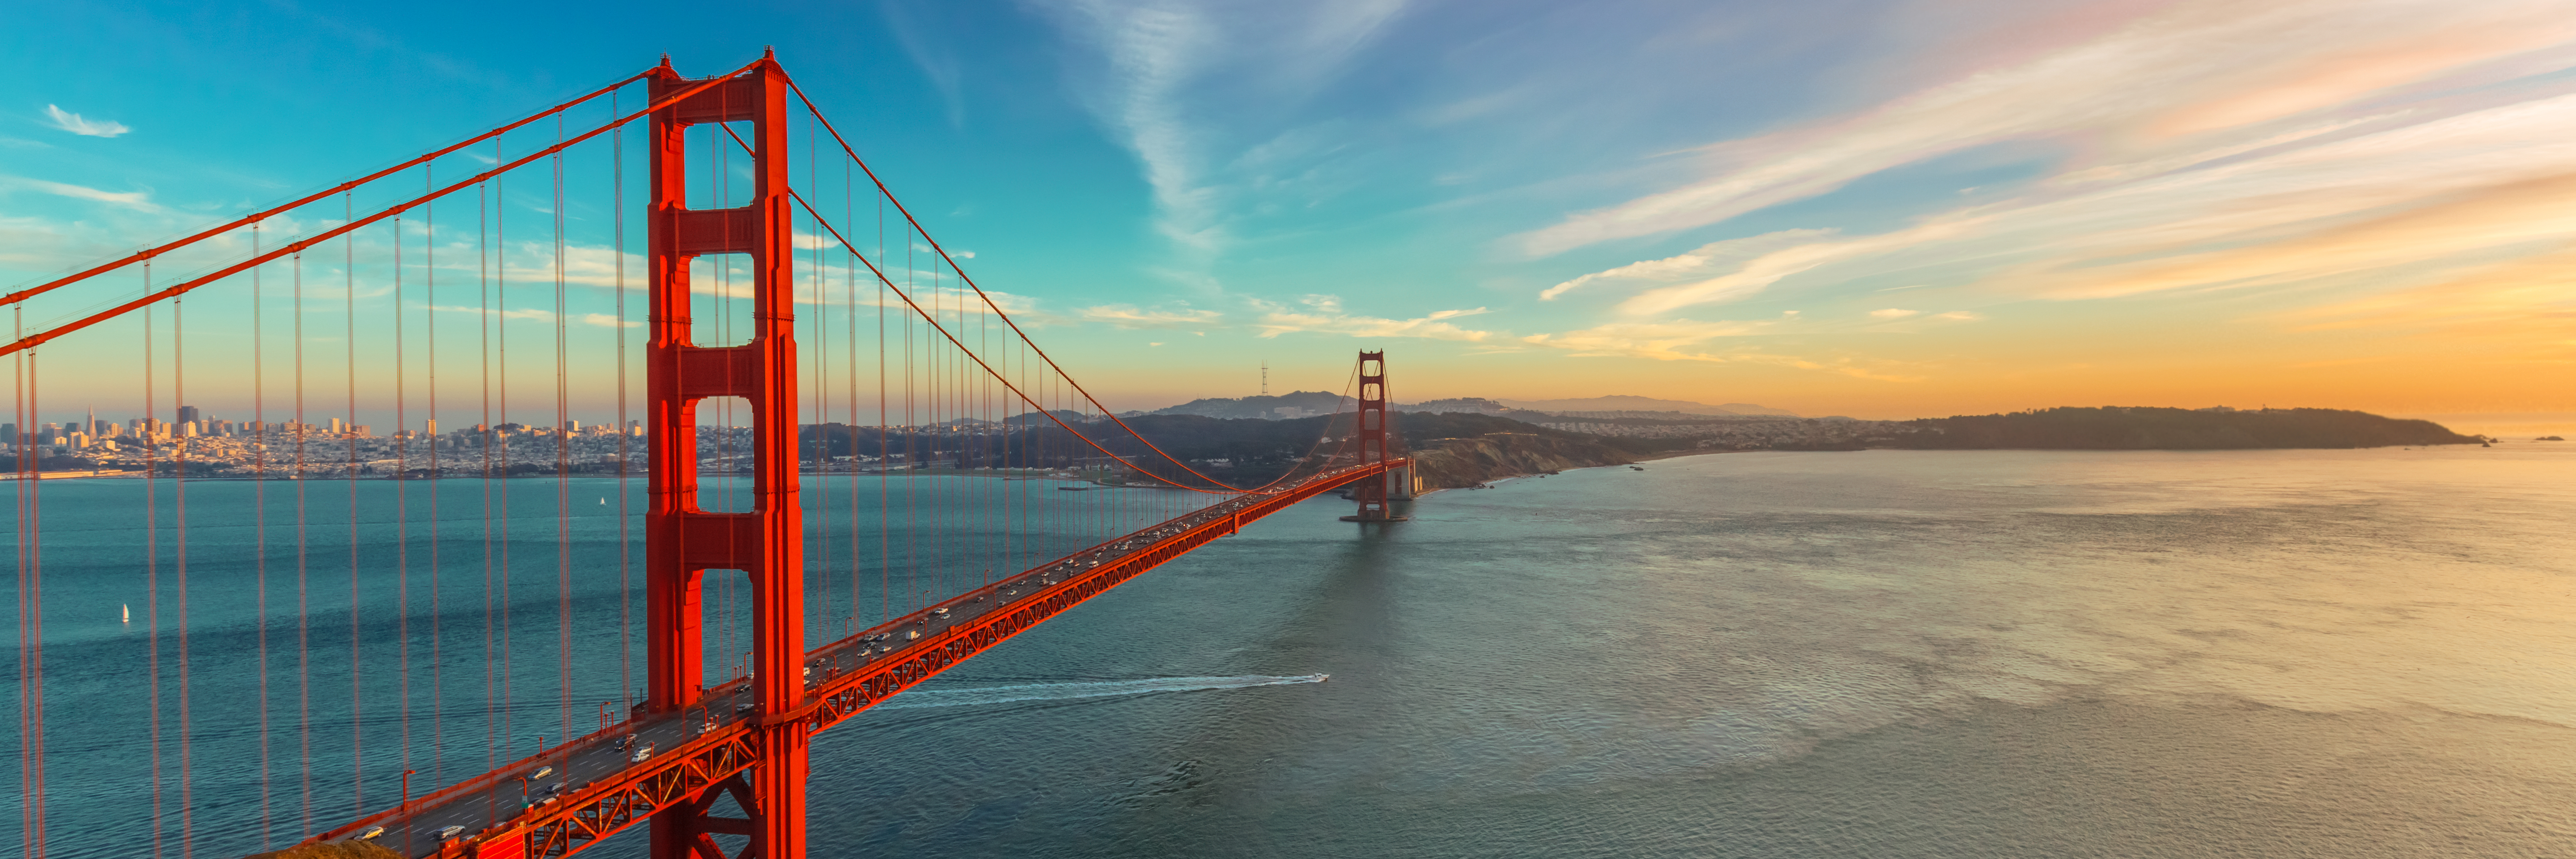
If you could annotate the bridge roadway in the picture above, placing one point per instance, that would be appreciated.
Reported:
(592, 787)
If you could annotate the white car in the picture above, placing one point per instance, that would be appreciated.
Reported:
(450, 833)
(641, 752)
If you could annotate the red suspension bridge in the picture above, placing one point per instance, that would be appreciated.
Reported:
(800, 328)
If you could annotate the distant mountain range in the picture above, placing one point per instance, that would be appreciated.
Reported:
(1301, 404)
(1295, 404)
(1630, 403)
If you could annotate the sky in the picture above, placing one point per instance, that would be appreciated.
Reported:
(1884, 209)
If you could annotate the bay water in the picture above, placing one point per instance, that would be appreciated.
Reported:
(2364, 653)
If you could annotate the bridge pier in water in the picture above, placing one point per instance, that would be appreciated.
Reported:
(1370, 427)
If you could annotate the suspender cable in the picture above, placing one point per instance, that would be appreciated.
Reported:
(253, 220)
(563, 469)
(822, 607)
(179, 505)
(303, 602)
(151, 560)
(31, 633)
(31, 340)
(885, 455)
(437, 637)
(625, 544)
(402, 513)
(978, 290)
(483, 434)
(259, 517)
(911, 461)
(501, 438)
(36, 607)
(908, 298)
(18, 462)
(349, 333)
(848, 323)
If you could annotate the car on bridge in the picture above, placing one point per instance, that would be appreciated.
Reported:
(641, 752)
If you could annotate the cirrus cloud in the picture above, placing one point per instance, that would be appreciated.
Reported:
(1129, 316)
(2164, 81)
(74, 123)
(1324, 314)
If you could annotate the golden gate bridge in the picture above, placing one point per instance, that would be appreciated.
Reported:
(783, 336)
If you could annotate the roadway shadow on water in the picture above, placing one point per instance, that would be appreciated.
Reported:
(1329, 602)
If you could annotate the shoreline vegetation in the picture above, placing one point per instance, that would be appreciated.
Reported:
(1462, 450)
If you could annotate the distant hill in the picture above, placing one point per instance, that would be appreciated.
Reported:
(1628, 403)
(1459, 448)
(1469, 405)
(1298, 404)
(2143, 428)
(1039, 419)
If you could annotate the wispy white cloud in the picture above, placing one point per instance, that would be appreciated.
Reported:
(606, 321)
(2143, 99)
(529, 313)
(1707, 259)
(1129, 316)
(933, 58)
(1687, 340)
(1738, 268)
(74, 123)
(1892, 313)
(140, 201)
(1325, 314)
(2404, 201)
(1172, 73)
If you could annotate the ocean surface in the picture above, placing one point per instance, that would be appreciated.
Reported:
(2362, 653)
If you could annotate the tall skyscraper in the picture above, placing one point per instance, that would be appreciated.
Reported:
(187, 414)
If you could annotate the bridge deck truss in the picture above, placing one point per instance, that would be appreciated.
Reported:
(844, 678)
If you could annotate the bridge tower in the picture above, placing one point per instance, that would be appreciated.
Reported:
(682, 541)
(1372, 431)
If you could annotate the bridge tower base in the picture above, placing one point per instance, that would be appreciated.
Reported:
(1371, 430)
(682, 541)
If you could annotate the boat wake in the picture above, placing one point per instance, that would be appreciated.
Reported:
(923, 698)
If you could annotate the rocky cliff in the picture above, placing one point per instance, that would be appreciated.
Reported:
(1453, 463)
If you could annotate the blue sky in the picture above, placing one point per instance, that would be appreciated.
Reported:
(1884, 209)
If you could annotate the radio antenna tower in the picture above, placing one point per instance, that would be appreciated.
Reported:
(1265, 378)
